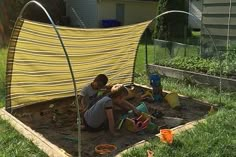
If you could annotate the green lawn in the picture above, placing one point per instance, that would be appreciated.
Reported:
(12, 144)
(3, 55)
(216, 138)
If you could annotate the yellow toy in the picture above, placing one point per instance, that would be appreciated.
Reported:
(172, 99)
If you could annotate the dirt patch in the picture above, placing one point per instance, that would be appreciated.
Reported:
(56, 121)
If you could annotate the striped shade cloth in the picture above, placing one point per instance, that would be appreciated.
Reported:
(37, 69)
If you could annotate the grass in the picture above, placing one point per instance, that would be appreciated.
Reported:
(196, 34)
(196, 91)
(140, 60)
(12, 144)
(215, 138)
(3, 56)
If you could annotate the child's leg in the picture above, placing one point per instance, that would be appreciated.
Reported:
(90, 129)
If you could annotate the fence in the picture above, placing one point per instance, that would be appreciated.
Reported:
(183, 61)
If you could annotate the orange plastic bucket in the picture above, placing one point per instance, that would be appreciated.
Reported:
(166, 136)
(105, 148)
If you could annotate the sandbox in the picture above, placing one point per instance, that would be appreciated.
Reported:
(56, 122)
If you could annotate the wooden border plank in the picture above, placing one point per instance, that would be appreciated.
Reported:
(175, 130)
(199, 78)
(41, 142)
(54, 151)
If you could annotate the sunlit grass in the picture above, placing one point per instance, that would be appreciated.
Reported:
(3, 57)
(215, 138)
(12, 144)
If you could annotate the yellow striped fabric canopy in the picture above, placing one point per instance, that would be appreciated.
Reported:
(37, 69)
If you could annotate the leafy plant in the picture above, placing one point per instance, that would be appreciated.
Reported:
(210, 66)
(171, 26)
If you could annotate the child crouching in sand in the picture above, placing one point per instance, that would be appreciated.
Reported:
(101, 112)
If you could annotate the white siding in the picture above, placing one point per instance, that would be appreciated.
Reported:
(195, 8)
(215, 17)
(135, 11)
(86, 11)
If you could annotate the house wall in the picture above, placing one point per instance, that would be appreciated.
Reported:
(215, 17)
(134, 11)
(86, 11)
(195, 8)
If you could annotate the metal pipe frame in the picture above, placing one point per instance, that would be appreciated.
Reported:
(194, 18)
(68, 61)
(183, 12)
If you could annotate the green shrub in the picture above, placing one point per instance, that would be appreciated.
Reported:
(171, 26)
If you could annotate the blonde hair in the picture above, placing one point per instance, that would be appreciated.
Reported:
(118, 90)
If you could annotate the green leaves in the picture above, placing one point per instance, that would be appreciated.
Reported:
(197, 64)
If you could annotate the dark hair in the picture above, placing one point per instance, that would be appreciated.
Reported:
(101, 78)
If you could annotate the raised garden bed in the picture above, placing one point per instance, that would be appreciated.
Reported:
(55, 123)
(199, 78)
(211, 66)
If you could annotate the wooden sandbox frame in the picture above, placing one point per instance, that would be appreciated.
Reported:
(37, 138)
(53, 150)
